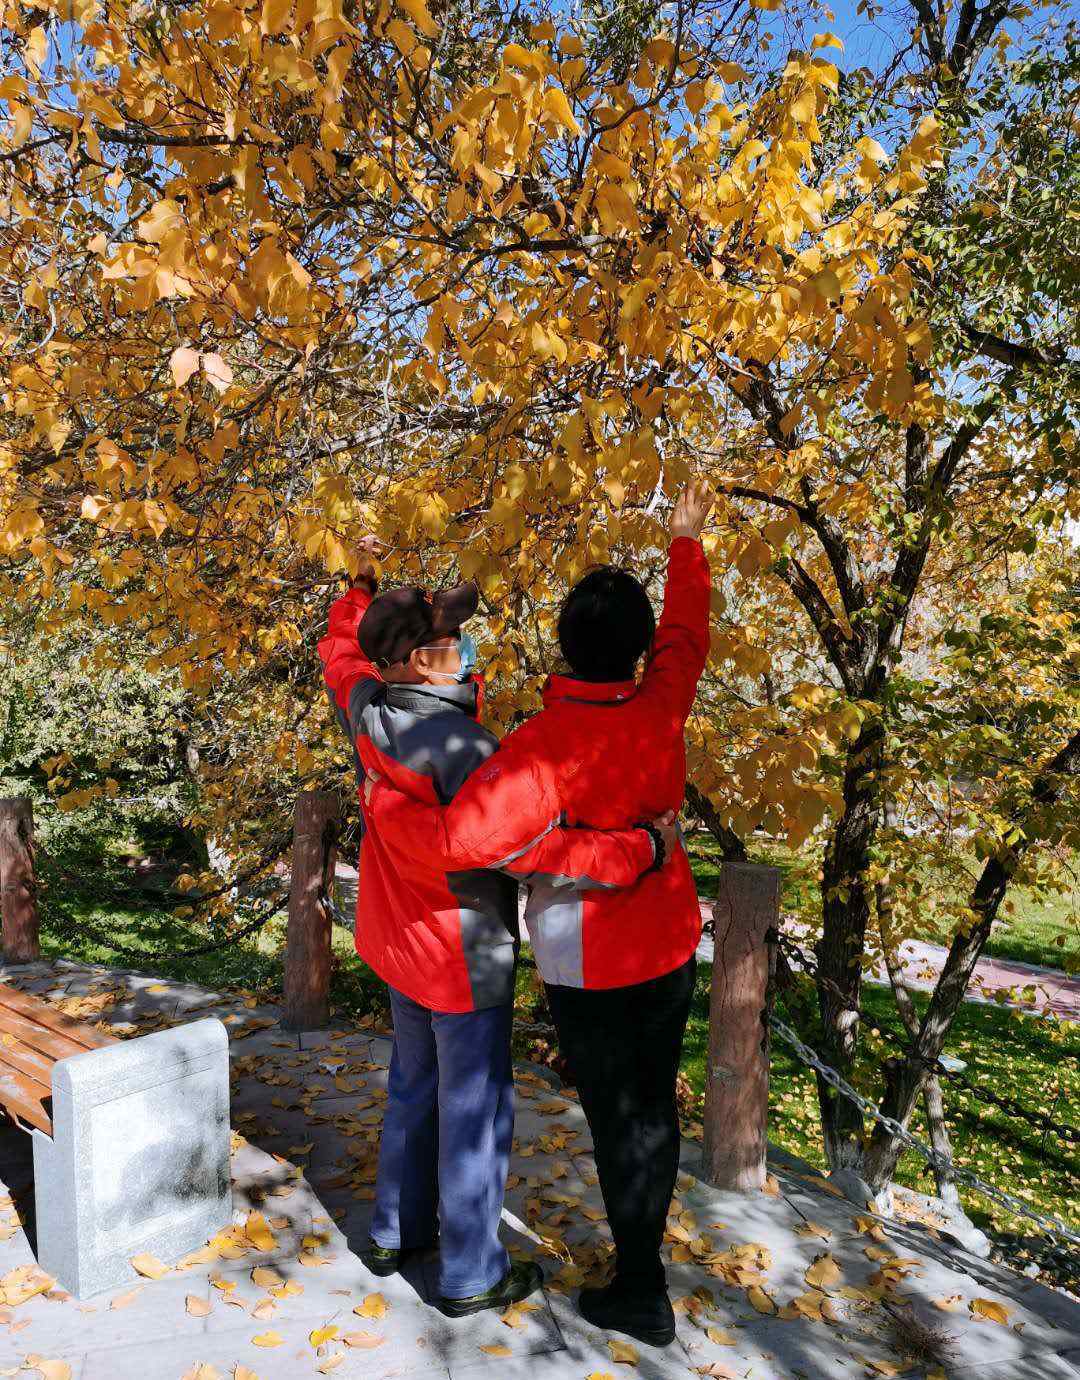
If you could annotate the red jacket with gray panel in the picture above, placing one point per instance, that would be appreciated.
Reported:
(607, 755)
(447, 936)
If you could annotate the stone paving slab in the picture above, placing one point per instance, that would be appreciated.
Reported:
(318, 1203)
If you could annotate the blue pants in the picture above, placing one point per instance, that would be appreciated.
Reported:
(446, 1137)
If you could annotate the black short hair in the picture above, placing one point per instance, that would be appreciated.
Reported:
(606, 625)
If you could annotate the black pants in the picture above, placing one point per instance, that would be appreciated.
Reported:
(623, 1046)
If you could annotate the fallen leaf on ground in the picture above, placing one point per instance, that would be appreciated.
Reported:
(53, 1370)
(122, 1300)
(720, 1337)
(823, 1273)
(374, 1306)
(268, 1339)
(244, 1373)
(331, 1363)
(988, 1308)
(600, 1375)
(264, 1310)
(623, 1353)
(149, 1266)
(497, 1350)
(364, 1340)
(198, 1307)
(257, 1230)
(771, 1186)
(202, 1370)
(759, 1299)
(323, 1334)
(265, 1277)
(717, 1371)
(311, 1260)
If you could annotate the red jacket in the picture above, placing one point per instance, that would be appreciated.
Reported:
(611, 755)
(446, 936)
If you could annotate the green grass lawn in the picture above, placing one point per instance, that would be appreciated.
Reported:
(1036, 1061)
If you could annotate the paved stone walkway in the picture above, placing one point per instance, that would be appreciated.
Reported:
(792, 1283)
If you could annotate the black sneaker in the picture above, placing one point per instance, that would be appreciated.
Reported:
(522, 1279)
(647, 1317)
(388, 1260)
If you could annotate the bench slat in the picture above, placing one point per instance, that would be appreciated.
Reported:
(36, 1037)
(24, 1098)
(25, 1059)
(41, 1014)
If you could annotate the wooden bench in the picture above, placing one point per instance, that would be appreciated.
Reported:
(131, 1138)
(33, 1037)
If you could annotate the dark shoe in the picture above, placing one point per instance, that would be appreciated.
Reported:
(388, 1260)
(521, 1280)
(647, 1317)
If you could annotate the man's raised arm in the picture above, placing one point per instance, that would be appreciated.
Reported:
(343, 663)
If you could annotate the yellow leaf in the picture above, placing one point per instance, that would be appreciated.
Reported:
(198, 1307)
(558, 107)
(265, 1277)
(123, 1300)
(183, 363)
(244, 1373)
(149, 1265)
(364, 1340)
(162, 217)
(823, 1273)
(623, 1353)
(323, 1334)
(331, 1363)
(217, 371)
(420, 15)
(988, 1308)
(258, 1232)
(23, 124)
(760, 1300)
(720, 1337)
(268, 1339)
(497, 1350)
(51, 1370)
(202, 1370)
(374, 1306)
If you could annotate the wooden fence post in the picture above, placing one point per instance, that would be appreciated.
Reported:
(737, 1077)
(18, 888)
(307, 946)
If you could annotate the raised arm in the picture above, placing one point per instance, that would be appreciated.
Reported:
(681, 645)
(343, 663)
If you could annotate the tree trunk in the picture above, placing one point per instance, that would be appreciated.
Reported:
(939, 1141)
(18, 887)
(846, 913)
(732, 848)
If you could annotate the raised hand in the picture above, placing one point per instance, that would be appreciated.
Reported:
(693, 506)
(369, 549)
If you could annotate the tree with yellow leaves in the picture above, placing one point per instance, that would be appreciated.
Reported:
(283, 271)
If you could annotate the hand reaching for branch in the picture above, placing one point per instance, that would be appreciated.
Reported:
(693, 506)
(368, 551)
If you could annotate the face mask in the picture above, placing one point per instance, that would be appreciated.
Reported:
(466, 649)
